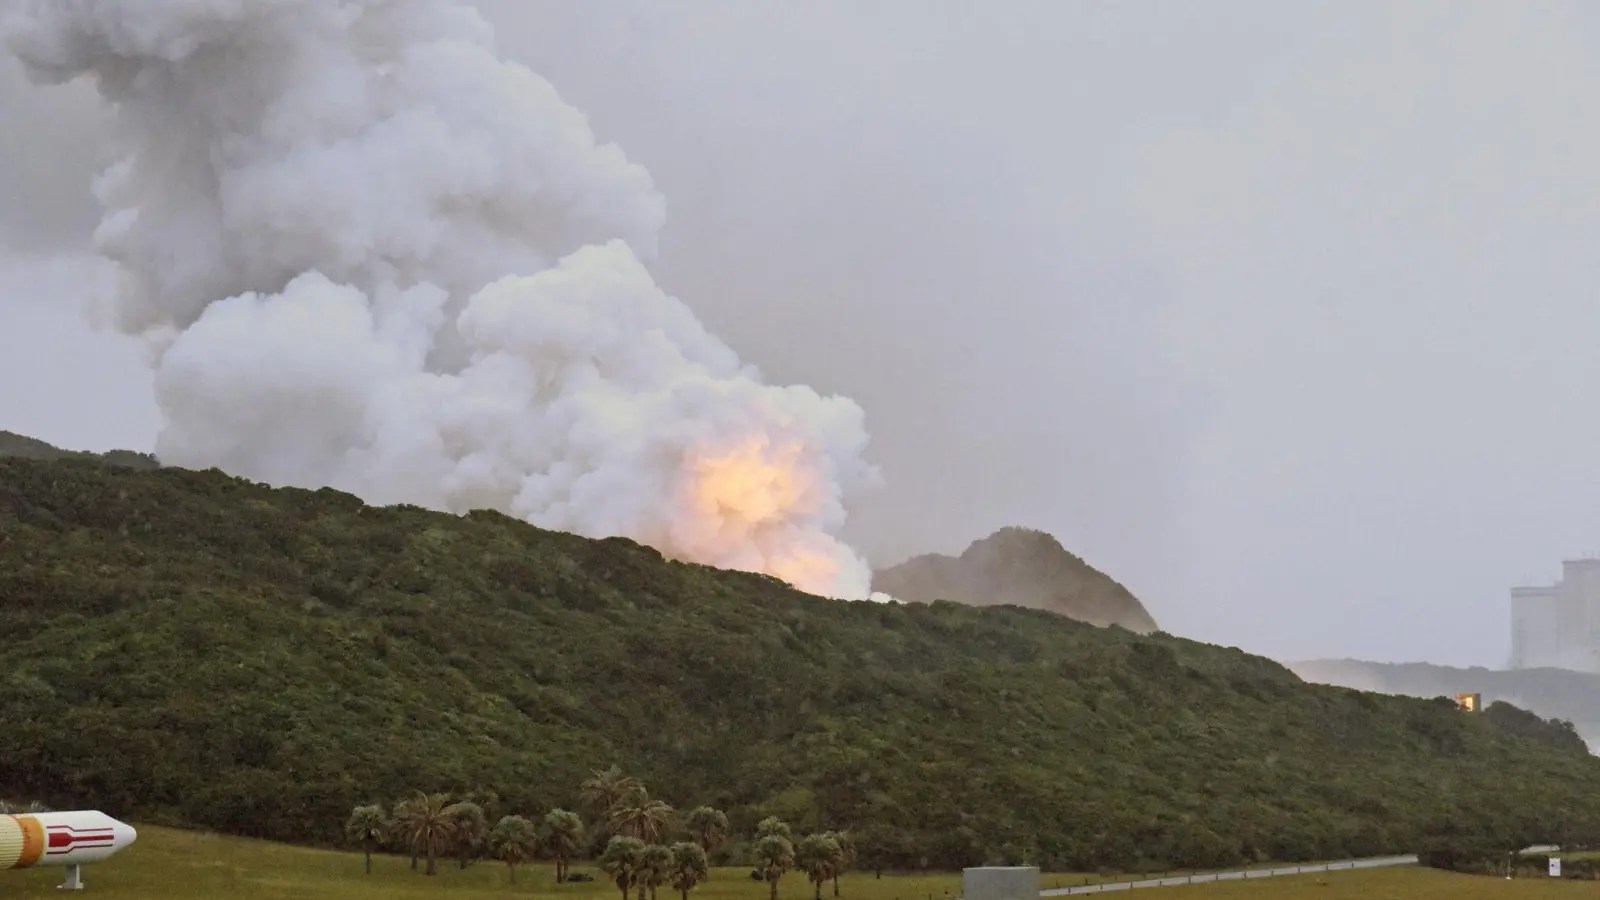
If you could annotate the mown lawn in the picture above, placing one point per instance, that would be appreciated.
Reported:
(178, 865)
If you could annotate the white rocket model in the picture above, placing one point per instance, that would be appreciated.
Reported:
(61, 839)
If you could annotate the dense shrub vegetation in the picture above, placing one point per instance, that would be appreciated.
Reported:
(1536, 865)
(187, 648)
(1552, 693)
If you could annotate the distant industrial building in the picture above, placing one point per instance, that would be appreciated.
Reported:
(1558, 625)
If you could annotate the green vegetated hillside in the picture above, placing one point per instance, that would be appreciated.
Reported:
(18, 445)
(1018, 567)
(188, 648)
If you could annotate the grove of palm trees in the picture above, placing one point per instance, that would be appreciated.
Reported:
(640, 854)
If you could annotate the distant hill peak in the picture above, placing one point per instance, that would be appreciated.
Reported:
(1020, 567)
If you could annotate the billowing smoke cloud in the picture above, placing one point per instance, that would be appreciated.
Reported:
(370, 254)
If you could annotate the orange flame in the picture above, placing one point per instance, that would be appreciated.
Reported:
(814, 573)
(746, 495)
(750, 484)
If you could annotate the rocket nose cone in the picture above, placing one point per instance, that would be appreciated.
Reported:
(123, 834)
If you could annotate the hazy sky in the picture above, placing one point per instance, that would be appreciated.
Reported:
(1282, 314)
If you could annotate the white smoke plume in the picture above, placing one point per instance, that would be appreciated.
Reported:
(368, 253)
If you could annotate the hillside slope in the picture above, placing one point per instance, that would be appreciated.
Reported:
(1552, 693)
(185, 647)
(19, 445)
(1018, 567)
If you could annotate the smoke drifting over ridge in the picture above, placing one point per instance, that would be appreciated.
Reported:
(368, 253)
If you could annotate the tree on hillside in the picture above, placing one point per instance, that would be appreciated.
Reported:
(369, 828)
(820, 857)
(708, 826)
(772, 825)
(622, 861)
(773, 856)
(562, 838)
(513, 841)
(604, 790)
(847, 855)
(471, 829)
(488, 800)
(655, 867)
(641, 817)
(428, 825)
(1571, 826)
(690, 867)
(402, 813)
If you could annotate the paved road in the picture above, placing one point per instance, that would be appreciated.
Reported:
(1240, 875)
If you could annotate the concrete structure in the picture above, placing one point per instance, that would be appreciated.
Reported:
(1000, 883)
(1470, 702)
(1558, 625)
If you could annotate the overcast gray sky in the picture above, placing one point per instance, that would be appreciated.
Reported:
(1282, 314)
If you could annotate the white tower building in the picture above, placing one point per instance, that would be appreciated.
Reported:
(1535, 626)
(1558, 625)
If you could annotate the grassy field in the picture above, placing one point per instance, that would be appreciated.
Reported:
(176, 865)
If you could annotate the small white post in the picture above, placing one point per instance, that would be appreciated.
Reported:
(74, 880)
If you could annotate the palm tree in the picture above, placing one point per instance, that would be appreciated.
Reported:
(513, 841)
(401, 813)
(689, 867)
(488, 801)
(772, 825)
(847, 855)
(471, 828)
(562, 838)
(709, 827)
(639, 816)
(655, 867)
(428, 825)
(367, 827)
(819, 857)
(773, 855)
(608, 788)
(622, 862)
